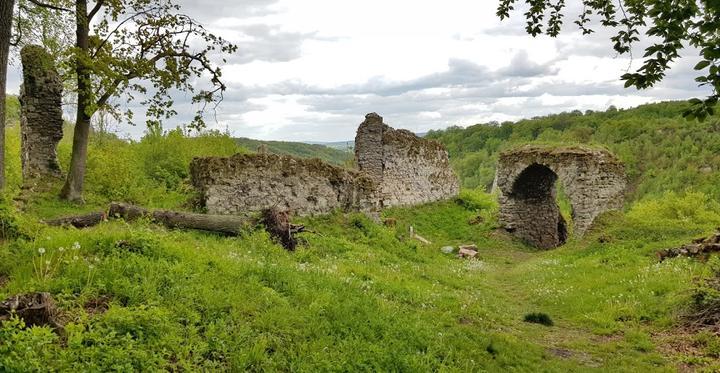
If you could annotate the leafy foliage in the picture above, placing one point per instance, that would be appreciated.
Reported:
(668, 26)
(298, 149)
(661, 151)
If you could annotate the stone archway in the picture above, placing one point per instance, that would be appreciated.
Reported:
(534, 192)
(594, 181)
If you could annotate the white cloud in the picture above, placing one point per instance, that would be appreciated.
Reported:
(309, 70)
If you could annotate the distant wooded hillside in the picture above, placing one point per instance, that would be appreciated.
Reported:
(299, 149)
(662, 151)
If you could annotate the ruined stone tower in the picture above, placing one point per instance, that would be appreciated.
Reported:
(409, 170)
(40, 113)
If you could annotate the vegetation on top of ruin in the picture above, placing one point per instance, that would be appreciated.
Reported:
(558, 148)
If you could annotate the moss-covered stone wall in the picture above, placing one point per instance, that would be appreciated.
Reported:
(40, 113)
(593, 179)
(408, 169)
(251, 182)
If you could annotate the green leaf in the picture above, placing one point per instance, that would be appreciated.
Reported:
(702, 64)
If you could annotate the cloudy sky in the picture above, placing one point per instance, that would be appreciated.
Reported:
(310, 70)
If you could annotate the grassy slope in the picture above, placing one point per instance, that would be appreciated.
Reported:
(358, 296)
(298, 149)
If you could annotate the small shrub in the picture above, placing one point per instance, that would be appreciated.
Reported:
(475, 199)
(538, 318)
(705, 308)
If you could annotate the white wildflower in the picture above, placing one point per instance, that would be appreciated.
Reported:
(76, 245)
(41, 250)
(61, 249)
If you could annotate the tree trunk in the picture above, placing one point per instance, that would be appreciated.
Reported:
(225, 224)
(79, 221)
(277, 223)
(73, 188)
(6, 17)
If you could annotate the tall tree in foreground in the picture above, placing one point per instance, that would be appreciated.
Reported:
(6, 12)
(129, 47)
(667, 25)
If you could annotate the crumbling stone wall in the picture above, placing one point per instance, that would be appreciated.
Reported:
(594, 181)
(409, 170)
(251, 182)
(40, 113)
(396, 168)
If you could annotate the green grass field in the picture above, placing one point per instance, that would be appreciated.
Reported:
(357, 295)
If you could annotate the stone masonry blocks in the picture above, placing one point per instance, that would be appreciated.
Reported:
(594, 181)
(41, 119)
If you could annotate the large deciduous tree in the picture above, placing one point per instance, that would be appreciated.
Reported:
(668, 26)
(6, 12)
(145, 47)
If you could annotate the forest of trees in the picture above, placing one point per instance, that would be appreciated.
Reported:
(654, 141)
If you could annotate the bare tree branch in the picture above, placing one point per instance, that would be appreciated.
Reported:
(95, 9)
(49, 6)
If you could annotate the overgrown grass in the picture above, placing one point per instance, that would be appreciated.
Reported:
(357, 296)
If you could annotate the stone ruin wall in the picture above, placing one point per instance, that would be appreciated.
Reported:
(593, 180)
(41, 119)
(396, 168)
(409, 170)
(251, 182)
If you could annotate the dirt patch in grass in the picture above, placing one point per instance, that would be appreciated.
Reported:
(97, 306)
(683, 347)
(4, 279)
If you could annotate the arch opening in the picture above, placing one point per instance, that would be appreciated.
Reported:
(535, 196)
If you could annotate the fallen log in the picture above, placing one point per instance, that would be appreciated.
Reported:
(78, 221)
(276, 222)
(226, 224)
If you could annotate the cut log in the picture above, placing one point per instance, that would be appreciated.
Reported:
(78, 221)
(276, 222)
(226, 224)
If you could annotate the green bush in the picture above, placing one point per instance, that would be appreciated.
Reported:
(706, 296)
(475, 199)
(692, 208)
(538, 318)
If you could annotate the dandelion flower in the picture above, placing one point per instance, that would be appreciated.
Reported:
(41, 250)
(76, 245)
(91, 266)
(75, 257)
(61, 249)
(47, 262)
